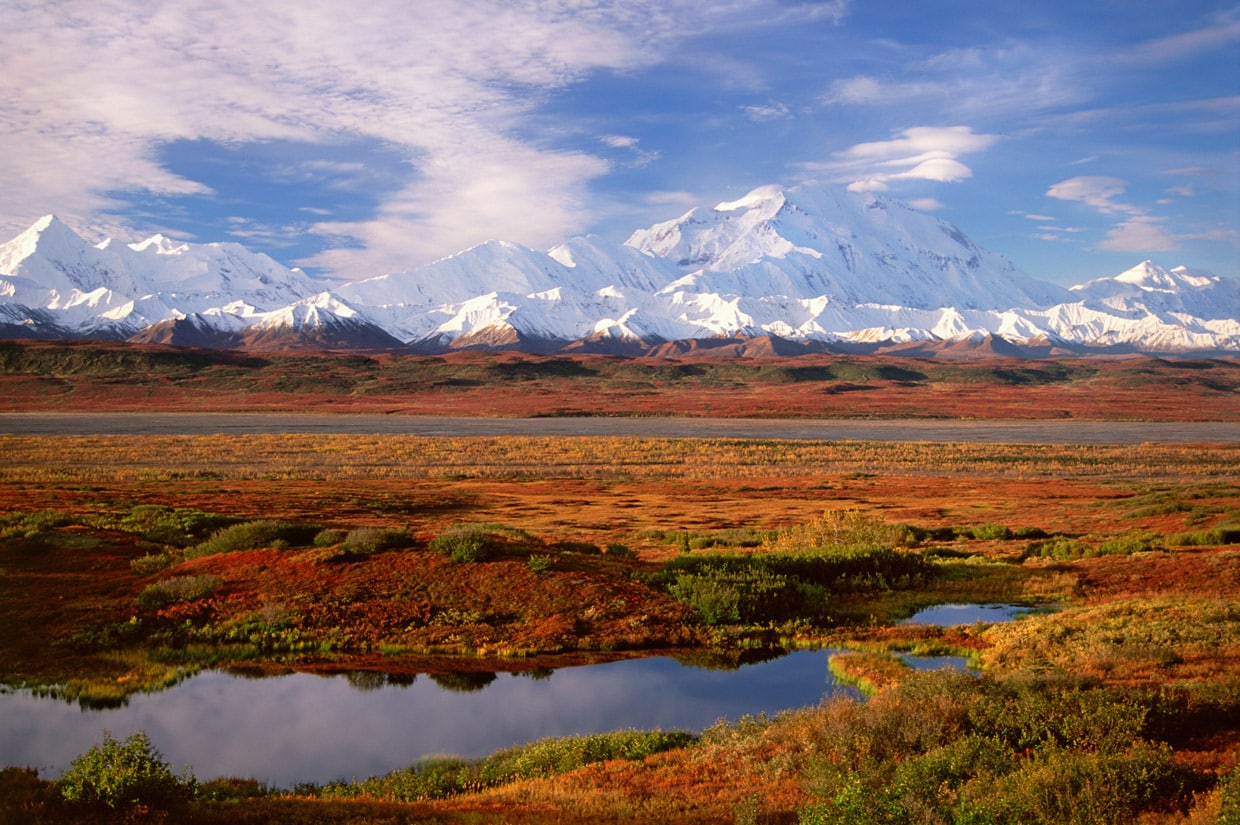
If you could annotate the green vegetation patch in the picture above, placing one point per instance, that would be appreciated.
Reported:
(253, 535)
(176, 590)
(442, 777)
(125, 776)
(948, 747)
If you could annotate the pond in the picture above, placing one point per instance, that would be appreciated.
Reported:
(949, 615)
(306, 728)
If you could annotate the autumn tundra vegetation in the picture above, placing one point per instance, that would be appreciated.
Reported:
(129, 563)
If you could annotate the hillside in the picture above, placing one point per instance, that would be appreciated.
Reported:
(94, 377)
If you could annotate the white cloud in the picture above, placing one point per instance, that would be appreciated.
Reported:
(1139, 234)
(1006, 80)
(1097, 191)
(1223, 31)
(920, 153)
(638, 157)
(90, 91)
(926, 204)
(1136, 231)
(768, 111)
(619, 141)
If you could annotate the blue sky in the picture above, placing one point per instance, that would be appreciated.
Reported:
(1078, 137)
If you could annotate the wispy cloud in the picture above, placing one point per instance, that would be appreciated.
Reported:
(1139, 234)
(90, 92)
(919, 153)
(1136, 230)
(1009, 79)
(1222, 31)
(767, 111)
(1097, 191)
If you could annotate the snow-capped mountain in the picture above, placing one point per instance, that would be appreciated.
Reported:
(812, 264)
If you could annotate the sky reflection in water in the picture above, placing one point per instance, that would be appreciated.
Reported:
(301, 728)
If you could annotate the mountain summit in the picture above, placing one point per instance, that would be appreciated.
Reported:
(813, 265)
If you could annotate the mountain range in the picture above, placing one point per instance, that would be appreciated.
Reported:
(807, 268)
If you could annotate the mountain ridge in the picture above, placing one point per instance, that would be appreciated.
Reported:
(812, 265)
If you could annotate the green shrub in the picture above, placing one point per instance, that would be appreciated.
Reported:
(119, 775)
(951, 748)
(838, 530)
(991, 532)
(176, 590)
(253, 535)
(150, 563)
(461, 545)
(1229, 790)
(1060, 549)
(755, 595)
(1066, 787)
(620, 551)
(1127, 545)
(328, 537)
(176, 526)
(775, 587)
(465, 543)
(366, 540)
(1224, 534)
(30, 525)
(541, 563)
(439, 777)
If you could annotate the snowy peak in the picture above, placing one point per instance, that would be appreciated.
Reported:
(1152, 289)
(125, 287)
(161, 245)
(813, 265)
(819, 240)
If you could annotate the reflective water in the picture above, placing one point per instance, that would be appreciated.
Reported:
(947, 615)
(304, 728)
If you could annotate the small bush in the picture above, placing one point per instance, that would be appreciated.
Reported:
(363, 541)
(467, 543)
(837, 530)
(729, 588)
(1127, 545)
(253, 535)
(1060, 549)
(620, 551)
(120, 775)
(1227, 534)
(175, 526)
(541, 563)
(328, 537)
(176, 590)
(150, 563)
(991, 532)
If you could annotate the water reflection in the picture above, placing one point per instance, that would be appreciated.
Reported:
(948, 615)
(305, 728)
